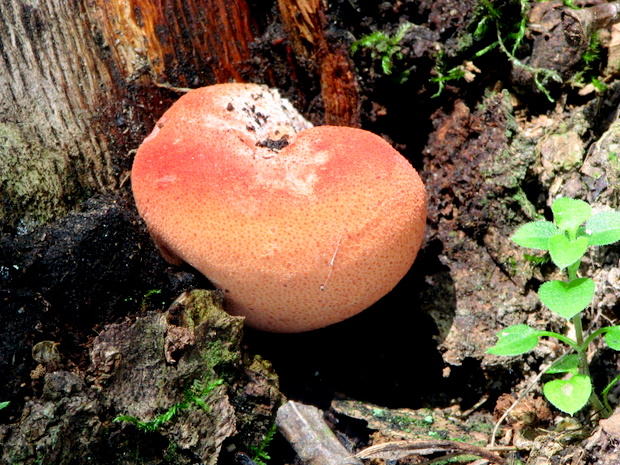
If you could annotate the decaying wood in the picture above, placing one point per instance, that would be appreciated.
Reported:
(303, 20)
(406, 425)
(209, 37)
(143, 368)
(305, 24)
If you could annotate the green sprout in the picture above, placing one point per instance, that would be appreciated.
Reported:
(148, 297)
(566, 239)
(383, 47)
(4, 404)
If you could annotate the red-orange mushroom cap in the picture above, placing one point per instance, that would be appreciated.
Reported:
(301, 226)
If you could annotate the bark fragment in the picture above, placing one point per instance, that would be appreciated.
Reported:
(305, 23)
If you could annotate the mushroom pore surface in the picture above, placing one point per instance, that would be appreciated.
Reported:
(300, 226)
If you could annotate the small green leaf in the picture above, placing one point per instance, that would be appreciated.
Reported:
(612, 337)
(581, 231)
(535, 235)
(4, 404)
(569, 395)
(565, 252)
(568, 364)
(604, 228)
(515, 340)
(567, 299)
(569, 214)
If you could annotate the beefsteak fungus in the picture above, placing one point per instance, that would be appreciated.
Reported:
(300, 226)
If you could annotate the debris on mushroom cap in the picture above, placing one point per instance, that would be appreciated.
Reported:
(301, 226)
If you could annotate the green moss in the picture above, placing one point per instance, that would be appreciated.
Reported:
(36, 184)
(493, 26)
(195, 394)
(590, 65)
(259, 453)
(383, 47)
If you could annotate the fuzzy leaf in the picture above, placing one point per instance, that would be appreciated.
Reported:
(569, 395)
(568, 364)
(567, 299)
(515, 340)
(535, 235)
(604, 228)
(569, 214)
(612, 337)
(565, 252)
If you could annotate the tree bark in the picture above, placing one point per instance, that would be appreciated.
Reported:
(77, 93)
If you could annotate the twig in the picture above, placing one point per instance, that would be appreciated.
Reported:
(579, 25)
(315, 444)
(165, 85)
(400, 449)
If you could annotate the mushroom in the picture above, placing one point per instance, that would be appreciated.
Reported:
(300, 226)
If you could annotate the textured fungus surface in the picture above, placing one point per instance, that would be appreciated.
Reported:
(301, 229)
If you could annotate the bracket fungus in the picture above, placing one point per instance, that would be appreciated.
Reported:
(301, 226)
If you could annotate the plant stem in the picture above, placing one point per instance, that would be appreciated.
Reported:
(605, 392)
(598, 406)
(584, 368)
(582, 351)
(560, 337)
(583, 360)
(572, 270)
(594, 335)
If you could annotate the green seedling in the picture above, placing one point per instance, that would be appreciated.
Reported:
(567, 238)
(4, 404)
(148, 297)
(383, 47)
